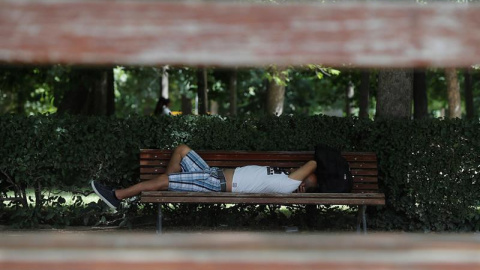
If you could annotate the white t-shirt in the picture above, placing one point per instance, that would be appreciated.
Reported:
(260, 179)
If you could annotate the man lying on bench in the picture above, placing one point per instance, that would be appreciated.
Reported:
(188, 172)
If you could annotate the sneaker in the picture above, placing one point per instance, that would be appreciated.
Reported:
(106, 194)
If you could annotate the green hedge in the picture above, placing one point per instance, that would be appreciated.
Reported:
(429, 169)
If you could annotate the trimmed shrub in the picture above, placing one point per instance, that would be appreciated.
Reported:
(429, 168)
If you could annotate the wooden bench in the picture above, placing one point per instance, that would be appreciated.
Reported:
(239, 250)
(363, 166)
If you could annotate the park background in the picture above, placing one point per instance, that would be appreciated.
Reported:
(62, 126)
(428, 166)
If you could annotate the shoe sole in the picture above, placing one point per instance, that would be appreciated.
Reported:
(101, 197)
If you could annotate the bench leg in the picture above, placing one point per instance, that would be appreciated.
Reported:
(362, 219)
(159, 219)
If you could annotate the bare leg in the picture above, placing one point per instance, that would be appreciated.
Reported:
(158, 183)
(178, 154)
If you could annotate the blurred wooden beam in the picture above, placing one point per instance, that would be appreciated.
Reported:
(238, 34)
(238, 251)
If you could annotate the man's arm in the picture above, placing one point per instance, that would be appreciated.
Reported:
(303, 172)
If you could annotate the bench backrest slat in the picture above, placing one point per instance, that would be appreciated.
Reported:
(363, 164)
(216, 33)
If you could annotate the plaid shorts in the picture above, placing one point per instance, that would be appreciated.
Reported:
(196, 176)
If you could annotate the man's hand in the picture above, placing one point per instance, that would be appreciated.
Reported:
(301, 188)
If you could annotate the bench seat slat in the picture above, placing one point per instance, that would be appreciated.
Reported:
(260, 155)
(279, 201)
(232, 164)
(146, 176)
(228, 164)
(365, 186)
(164, 162)
(364, 191)
(362, 165)
(160, 170)
(283, 199)
(364, 172)
(259, 195)
(364, 179)
(361, 175)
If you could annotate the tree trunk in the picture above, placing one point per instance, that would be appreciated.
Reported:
(232, 89)
(110, 92)
(38, 195)
(186, 105)
(202, 91)
(163, 93)
(165, 83)
(97, 96)
(453, 93)
(23, 195)
(213, 107)
(276, 94)
(349, 92)
(395, 90)
(420, 100)
(469, 94)
(364, 94)
(21, 99)
(91, 93)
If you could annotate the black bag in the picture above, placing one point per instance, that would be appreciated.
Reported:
(333, 172)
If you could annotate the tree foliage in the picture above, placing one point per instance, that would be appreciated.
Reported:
(309, 90)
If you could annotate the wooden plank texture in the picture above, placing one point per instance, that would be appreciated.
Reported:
(239, 251)
(256, 198)
(239, 34)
